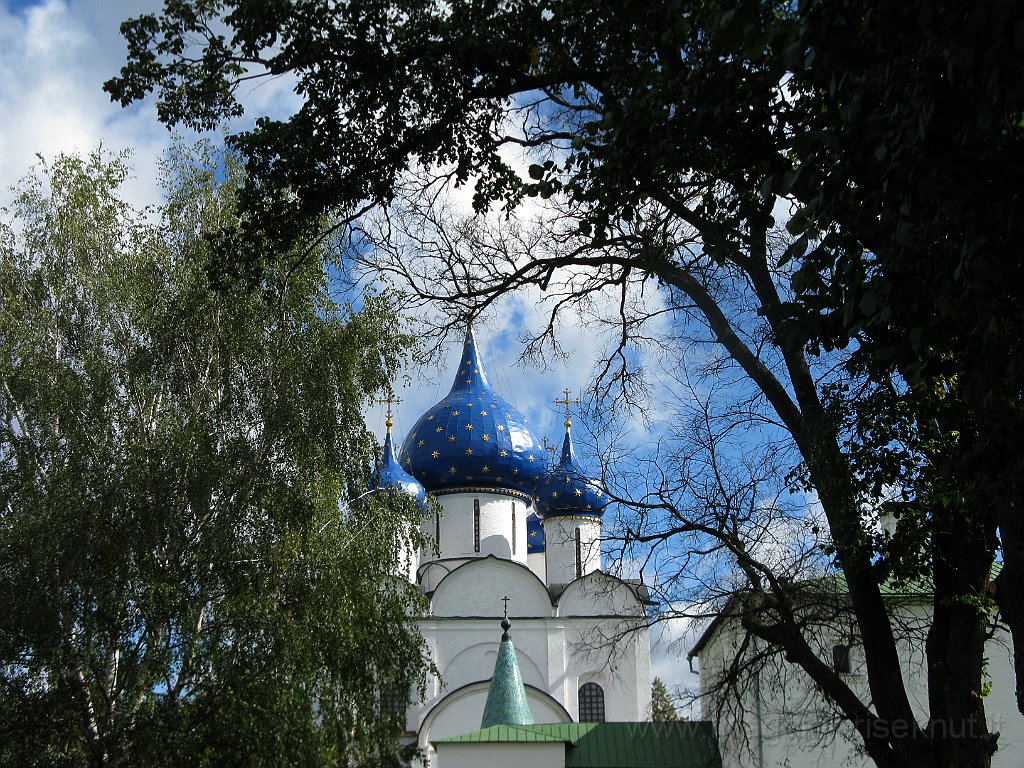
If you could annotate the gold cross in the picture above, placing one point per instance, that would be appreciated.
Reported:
(389, 401)
(567, 402)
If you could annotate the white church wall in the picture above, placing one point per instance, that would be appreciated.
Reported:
(537, 564)
(790, 725)
(560, 547)
(553, 651)
(461, 711)
(535, 755)
(597, 594)
(476, 662)
(502, 527)
(615, 654)
(460, 592)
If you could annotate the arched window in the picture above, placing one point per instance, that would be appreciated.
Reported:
(591, 700)
(476, 525)
(579, 554)
(841, 659)
(394, 705)
(437, 530)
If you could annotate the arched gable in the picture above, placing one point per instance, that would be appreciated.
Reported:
(461, 711)
(599, 594)
(477, 661)
(477, 587)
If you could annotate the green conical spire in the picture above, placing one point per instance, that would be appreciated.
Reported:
(506, 698)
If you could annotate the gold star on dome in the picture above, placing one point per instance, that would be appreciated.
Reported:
(469, 477)
(469, 381)
(500, 427)
(533, 534)
(486, 469)
(468, 361)
(498, 479)
(554, 494)
(487, 438)
(439, 429)
(469, 405)
(530, 457)
(408, 461)
(590, 506)
(598, 492)
(435, 454)
(451, 438)
(578, 492)
(483, 413)
(453, 470)
(421, 443)
(515, 471)
(430, 417)
(469, 427)
(475, 371)
(504, 452)
(469, 451)
(455, 413)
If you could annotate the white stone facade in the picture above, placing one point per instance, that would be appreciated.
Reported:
(572, 547)
(786, 723)
(589, 630)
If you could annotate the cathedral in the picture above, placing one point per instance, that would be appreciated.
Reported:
(517, 554)
(517, 542)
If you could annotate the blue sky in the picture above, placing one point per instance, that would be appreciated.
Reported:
(55, 56)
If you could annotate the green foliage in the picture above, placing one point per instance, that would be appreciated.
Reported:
(668, 132)
(179, 585)
(662, 707)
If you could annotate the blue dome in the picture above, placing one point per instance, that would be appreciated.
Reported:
(566, 491)
(473, 439)
(393, 478)
(534, 535)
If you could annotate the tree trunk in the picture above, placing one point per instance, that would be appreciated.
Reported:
(961, 560)
(1009, 595)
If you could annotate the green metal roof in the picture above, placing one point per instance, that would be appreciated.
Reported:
(503, 734)
(613, 745)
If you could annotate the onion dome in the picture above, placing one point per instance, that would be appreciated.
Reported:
(473, 439)
(566, 491)
(534, 535)
(393, 478)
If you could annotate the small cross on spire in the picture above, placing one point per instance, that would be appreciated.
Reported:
(389, 401)
(506, 625)
(567, 402)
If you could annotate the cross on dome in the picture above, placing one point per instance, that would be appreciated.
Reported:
(389, 400)
(567, 402)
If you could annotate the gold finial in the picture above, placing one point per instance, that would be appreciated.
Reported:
(567, 402)
(389, 400)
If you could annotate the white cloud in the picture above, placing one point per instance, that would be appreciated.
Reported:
(671, 640)
(54, 58)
